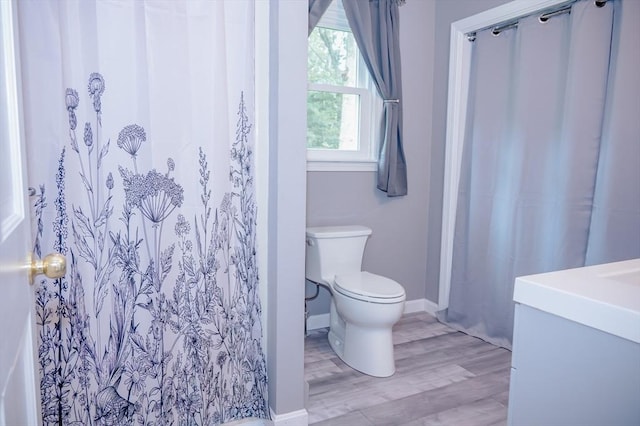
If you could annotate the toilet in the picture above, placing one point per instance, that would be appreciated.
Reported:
(364, 306)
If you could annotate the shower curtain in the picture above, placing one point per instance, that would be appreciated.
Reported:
(138, 119)
(550, 175)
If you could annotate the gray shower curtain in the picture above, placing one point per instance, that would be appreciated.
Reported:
(550, 174)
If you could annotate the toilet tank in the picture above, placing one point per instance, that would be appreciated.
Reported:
(333, 250)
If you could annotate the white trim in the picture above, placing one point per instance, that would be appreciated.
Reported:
(342, 166)
(292, 418)
(420, 305)
(332, 88)
(459, 70)
(15, 188)
(316, 322)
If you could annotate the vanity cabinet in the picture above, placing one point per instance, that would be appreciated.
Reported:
(576, 347)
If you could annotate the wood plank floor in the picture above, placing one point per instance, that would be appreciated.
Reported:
(443, 377)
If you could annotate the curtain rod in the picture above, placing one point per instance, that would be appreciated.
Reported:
(498, 29)
(544, 17)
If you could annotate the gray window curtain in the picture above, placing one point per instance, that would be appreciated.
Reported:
(375, 25)
(316, 10)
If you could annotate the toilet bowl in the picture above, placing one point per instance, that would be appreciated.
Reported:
(364, 306)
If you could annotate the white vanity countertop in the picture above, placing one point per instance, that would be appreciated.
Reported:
(605, 297)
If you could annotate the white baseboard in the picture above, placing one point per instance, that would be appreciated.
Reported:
(315, 322)
(420, 305)
(293, 418)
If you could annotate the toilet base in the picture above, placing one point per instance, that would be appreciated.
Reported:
(367, 350)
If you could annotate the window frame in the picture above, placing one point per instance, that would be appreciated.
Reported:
(369, 111)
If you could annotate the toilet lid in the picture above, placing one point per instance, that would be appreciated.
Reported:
(368, 285)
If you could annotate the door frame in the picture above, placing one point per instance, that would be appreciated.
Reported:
(23, 384)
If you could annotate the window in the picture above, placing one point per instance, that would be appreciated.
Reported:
(341, 99)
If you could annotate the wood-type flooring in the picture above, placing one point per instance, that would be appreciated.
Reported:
(443, 377)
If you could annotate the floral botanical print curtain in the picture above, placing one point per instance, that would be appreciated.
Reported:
(138, 121)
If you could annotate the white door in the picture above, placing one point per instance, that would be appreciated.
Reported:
(19, 390)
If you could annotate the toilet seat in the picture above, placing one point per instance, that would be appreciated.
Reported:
(369, 287)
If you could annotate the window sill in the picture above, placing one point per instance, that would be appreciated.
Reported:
(342, 166)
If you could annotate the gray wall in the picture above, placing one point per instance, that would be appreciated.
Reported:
(286, 219)
(405, 244)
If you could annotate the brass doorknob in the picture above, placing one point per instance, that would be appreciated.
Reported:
(53, 265)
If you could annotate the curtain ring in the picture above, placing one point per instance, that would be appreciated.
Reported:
(600, 3)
